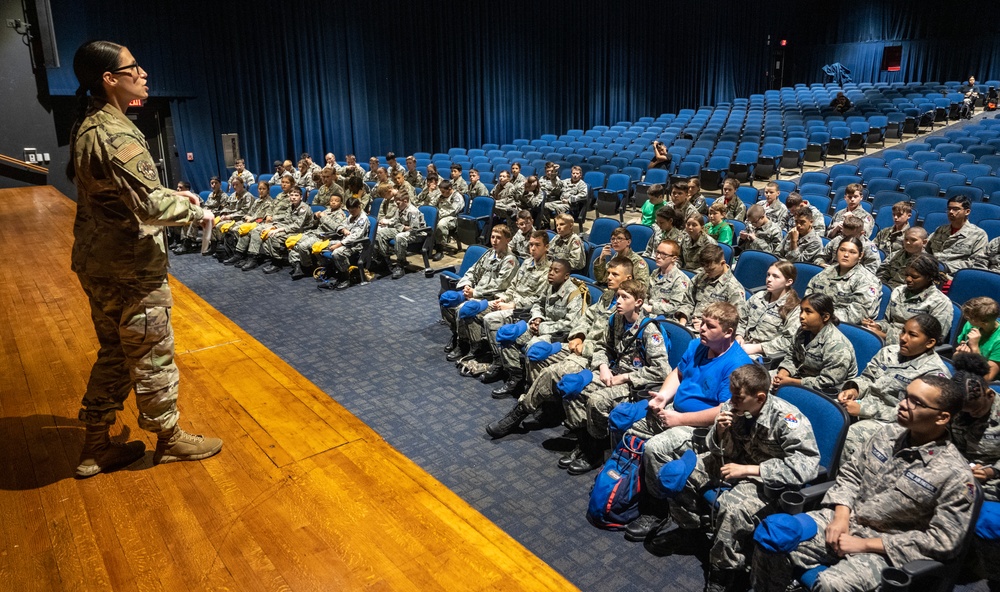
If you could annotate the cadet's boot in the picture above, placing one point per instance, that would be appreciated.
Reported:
(297, 273)
(438, 255)
(653, 514)
(451, 344)
(567, 459)
(493, 373)
(176, 445)
(235, 259)
(550, 414)
(253, 262)
(591, 455)
(397, 272)
(271, 267)
(210, 251)
(460, 351)
(101, 454)
(343, 280)
(513, 387)
(506, 424)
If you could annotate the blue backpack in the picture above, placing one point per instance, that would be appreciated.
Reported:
(614, 499)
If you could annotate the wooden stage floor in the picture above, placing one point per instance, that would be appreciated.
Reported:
(304, 496)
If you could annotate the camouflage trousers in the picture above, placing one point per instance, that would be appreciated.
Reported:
(662, 446)
(442, 233)
(132, 321)
(855, 573)
(600, 400)
(402, 238)
(545, 376)
(252, 242)
(302, 251)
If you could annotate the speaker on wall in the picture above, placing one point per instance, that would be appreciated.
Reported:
(46, 33)
(892, 56)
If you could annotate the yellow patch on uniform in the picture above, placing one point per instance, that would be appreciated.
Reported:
(292, 240)
(318, 246)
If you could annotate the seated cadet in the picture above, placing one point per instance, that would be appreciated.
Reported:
(393, 166)
(476, 187)
(488, 277)
(680, 197)
(532, 196)
(621, 246)
(430, 193)
(668, 285)
(506, 197)
(992, 256)
(357, 189)
(771, 316)
(546, 372)
(232, 209)
(242, 173)
(328, 187)
(714, 283)
(695, 197)
(296, 220)
(920, 294)
(457, 182)
(552, 316)
(690, 397)
(388, 213)
(279, 171)
(631, 360)
(410, 225)
(776, 211)
(189, 242)
(450, 204)
(525, 226)
(872, 398)
(980, 335)
(853, 195)
(432, 169)
(802, 243)
(656, 199)
(661, 157)
(260, 209)
(819, 356)
(758, 445)
(694, 241)
(305, 179)
(852, 227)
(718, 228)
(330, 224)
(401, 184)
(551, 186)
(567, 244)
(735, 208)
(668, 224)
(571, 191)
(412, 175)
(960, 243)
(330, 160)
(892, 272)
(353, 238)
(906, 495)
(313, 167)
(516, 177)
(527, 287)
(372, 175)
(351, 169)
(855, 291)
(251, 243)
(890, 240)
(794, 202)
(761, 233)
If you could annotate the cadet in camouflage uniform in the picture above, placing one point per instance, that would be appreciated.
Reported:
(487, 277)
(519, 244)
(516, 178)
(403, 186)
(413, 176)
(567, 244)
(551, 186)
(735, 208)
(714, 283)
(802, 244)
(621, 246)
(870, 256)
(668, 285)
(410, 225)
(853, 195)
(890, 240)
(776, 211)
(259, 210)
(305, 181)
(298, 219)
(233, 208)
(893, 271)
(430, 195)
(355, 232)
(918, 295)
(794, 203)
(874, 396)
(960, 243)
(762, 233)
(450, 204)
(506, 196)
(189, 234)
(457, 182)
(906, 495)
(694, 241)
(120, 257)
(992, 256)
(250, 243)
(241, 173)
(819, 357)
(476, 187)
(328, 188)
(571, 191)
(331, 221)
(855, 291)
(771, 316)
(756, 456)
(680, 196)
(669, 225)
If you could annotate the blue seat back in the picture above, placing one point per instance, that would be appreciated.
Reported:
(751, 268)
(600, 231)
(829, 422)
(984, 211)
(804, 273)
(866, 344)
(971, 283)
(680, 337)
(640, 236)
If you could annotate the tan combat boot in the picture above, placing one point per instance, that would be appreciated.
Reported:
(101, 454)
(175, 445)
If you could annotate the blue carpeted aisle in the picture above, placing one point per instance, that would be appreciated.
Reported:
(376, 349)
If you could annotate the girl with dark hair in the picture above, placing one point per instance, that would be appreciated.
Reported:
(770, 318)
(919, 294)
(120, 257)
(855, 291)
(873, 397)
(820, 357)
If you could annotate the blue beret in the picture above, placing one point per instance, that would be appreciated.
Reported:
(988, 525)
(675, 473)
(782, 533)
(451, 298)
(472, 308)
(542, 350)
(571, 385)
(508, 334)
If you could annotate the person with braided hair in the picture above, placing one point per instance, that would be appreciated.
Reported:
(120, 257)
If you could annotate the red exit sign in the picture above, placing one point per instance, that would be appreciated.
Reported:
(135, 103)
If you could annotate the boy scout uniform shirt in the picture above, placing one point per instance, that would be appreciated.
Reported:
(859, 212)
(519, 244)
(890, 241)
(776, 212)
(870, 256)
(808, 250)
(121, 205)
(690, 249)
(819, 222)
(668, 293)
(573, 192)
(735, 209)
(882, 384)
(824, 362)
(570, 249)
(903, 306)
(490, 275)
(704, 291)
(893, 271)
(761, 323)
(459, 185)
(767, 238)
(640, 269)
(624, 352)
(528, 285)
(559, 310)
(965, 248)
(917, 499)
(477, 189)
(978, 439)
(856, 294)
